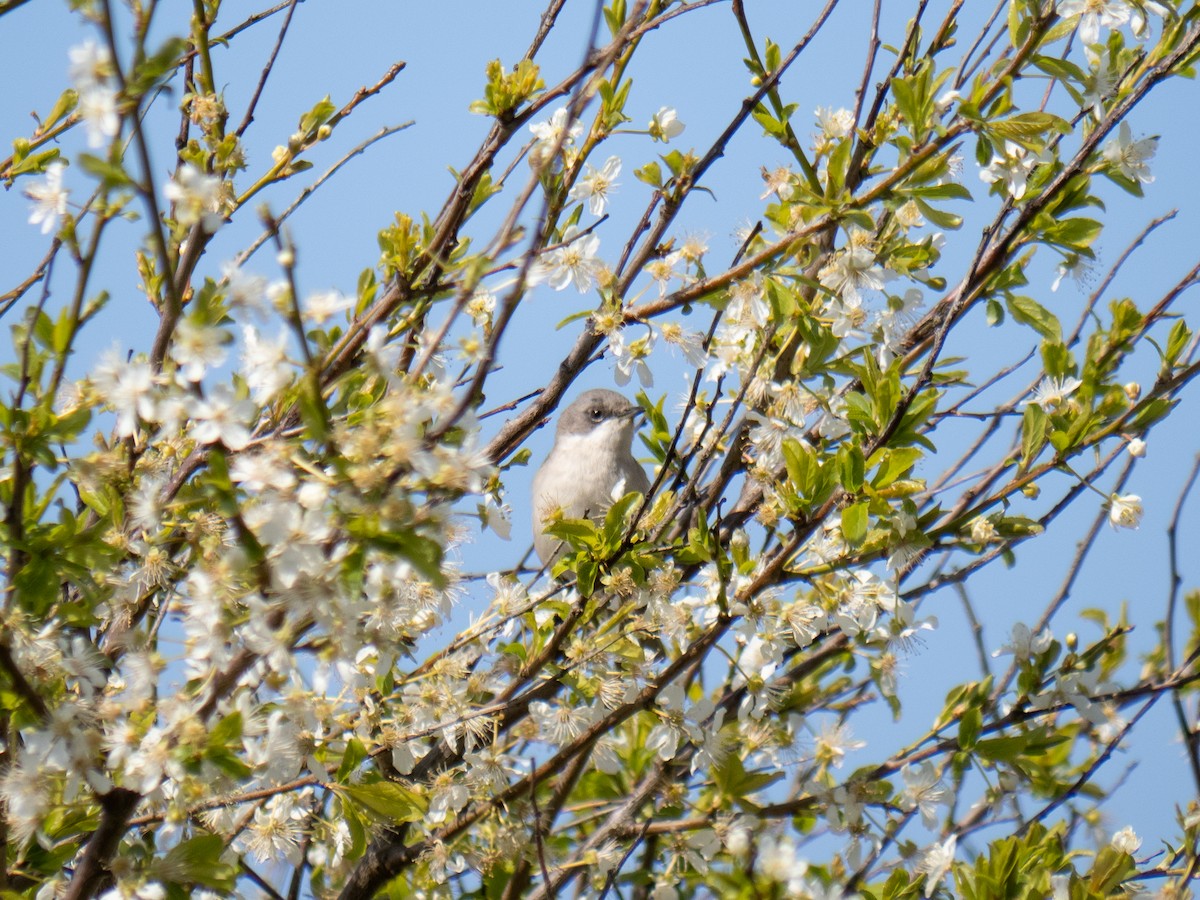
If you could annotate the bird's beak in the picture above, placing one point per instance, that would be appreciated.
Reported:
(633, 412)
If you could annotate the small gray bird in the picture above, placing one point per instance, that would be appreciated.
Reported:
(592, 452)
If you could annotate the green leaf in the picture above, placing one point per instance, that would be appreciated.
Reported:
(802, 465)
(995, 312)
(225, 732)
(733, 781)
(35, 163)
(769, 123)
(1077, 234)
(63, 107)
(1033, 433)
(939, 217)
(650, 173)
(580, 531)
(854, 523)
(913, 108)
(197, 861)
(1003, 749)
(614, 520)
(110, 175)
(1027, 128)
(1150, 412)
(773, 56)
(425, 554)
(893, 464)
(614, 16)
(851, 467)
(586, 572)
(156, 65)
(1110, 869)
(317, 116)
(969, 727)
(949, 190)
(1177, 340)
(352, 758)
(1029, 312)
(387, 800)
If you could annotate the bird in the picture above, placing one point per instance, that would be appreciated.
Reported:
(591, 456)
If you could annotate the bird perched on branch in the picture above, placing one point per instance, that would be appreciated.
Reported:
(590, 465)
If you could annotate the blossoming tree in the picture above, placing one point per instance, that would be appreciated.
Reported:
(243, 648)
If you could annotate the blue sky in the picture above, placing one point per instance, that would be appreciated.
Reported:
(336, 46)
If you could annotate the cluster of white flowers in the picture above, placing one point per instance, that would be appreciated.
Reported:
(853, 270)
(91, 72)
(59, 761)
(285, 565)
(1094, 15)
(555, 137)
(141, 398)
(198, 198)
(574, 261)
(1012, 168)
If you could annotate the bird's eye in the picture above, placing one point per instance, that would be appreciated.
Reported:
(596, 413)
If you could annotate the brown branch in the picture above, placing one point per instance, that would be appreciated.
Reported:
(92, 872)
(1191, 739)
(266, 72)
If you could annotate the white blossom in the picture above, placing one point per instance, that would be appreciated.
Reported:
(1125, 511)
(924, 791)
(1126, 841)
(197, 347)
(129, 388)
(662, 269)
(1129, 157)
(1013, 168)
(596, 185)
(1051, 392)
(665, 124)
(835, 123)
(833, 742)
(853, 270)
(319, 308)
(91, 71)
(221, 416)
(936, 863)
(1094, 15)
(631, 357)
(573, 262)
(90, 65)
(265, 364)
(779, 862)
(98, 109)
(1077, 268)
(49, 198)
(197, 197)
(245, 292)
(551, 136)
(778, 182)
(1024, 644)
